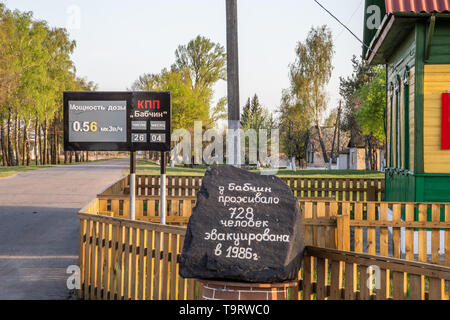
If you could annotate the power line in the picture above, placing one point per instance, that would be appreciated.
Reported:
(351, 18)
(342, 24)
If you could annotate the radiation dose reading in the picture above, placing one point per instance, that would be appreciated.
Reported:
(85, 126)
(97, 121)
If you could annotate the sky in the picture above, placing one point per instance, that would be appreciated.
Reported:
(117, 41)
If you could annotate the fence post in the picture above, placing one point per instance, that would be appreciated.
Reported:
(343, 232)
(371, 191)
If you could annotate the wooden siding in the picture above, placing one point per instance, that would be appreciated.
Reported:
(412, 81)
(437, 81)
(440, 45)
(402, 58)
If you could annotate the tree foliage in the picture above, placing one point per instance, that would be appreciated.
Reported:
(372, 96)
(255, 116)
(304, 103)
(364, 94)
(198, 66)
(35, 69)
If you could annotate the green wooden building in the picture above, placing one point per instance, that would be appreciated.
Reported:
(412, 38)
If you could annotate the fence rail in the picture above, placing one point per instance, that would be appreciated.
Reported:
(411, 231)
(340, 275)
(336, 189)
(122, 260)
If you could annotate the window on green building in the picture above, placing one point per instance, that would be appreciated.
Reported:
(398, 150)
(391, 136)
(406, 115)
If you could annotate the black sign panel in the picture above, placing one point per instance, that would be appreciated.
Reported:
(117, 121)
(150, 121)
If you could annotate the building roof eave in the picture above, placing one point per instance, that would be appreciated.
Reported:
(372, 55)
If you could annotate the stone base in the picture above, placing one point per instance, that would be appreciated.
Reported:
(222, 290)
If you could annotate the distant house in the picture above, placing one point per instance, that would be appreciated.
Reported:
(314, 154)
(354, 156)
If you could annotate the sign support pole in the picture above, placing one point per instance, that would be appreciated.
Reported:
(132, 185)
(162, 188)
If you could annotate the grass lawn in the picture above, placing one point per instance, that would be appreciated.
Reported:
(150, 168)
(10, 171)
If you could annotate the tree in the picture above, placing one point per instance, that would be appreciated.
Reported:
(204, 60)
(253, 115)
(372, 114)
(197, 68)
(35, 69)
(364, 102)
(256, 117)
(294, 126)
(373, 99)
(362, 73)
(309, 75)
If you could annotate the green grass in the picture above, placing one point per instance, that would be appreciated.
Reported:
(150, 168)
(10, 171)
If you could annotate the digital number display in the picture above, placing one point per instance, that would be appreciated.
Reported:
(138, 137)
(158, 137)
(97, 121)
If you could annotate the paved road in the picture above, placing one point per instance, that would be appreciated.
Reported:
(39, 228)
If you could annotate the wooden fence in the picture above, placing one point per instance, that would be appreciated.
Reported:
(304, 188)
(339, 275)
(122, 260)
(411, 231)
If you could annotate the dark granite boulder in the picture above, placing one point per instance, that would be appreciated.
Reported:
(245, 227)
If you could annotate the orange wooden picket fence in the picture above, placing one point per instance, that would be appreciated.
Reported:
(341, 189)
(411, 231)
(407, 244)
(121, 259)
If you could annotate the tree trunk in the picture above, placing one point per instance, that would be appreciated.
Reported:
(54, 141)
(11, 154)
(322, 145)
(17, 138)
(26, 143)
(333, 154)
(37, 142)
(45, 145)
(3, 144)
(366, 147)
(339, 136)
(87, 156)
(58, 150)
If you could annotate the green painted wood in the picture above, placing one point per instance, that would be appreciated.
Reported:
(369, 34)
(419, 97)
(430, 36)
(398, 142)
(391, 139)
(420, 189)
(440, 46)
(406, 126)
(401, 60)
(399, 187)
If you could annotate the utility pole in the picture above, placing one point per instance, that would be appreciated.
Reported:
(233, 139)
